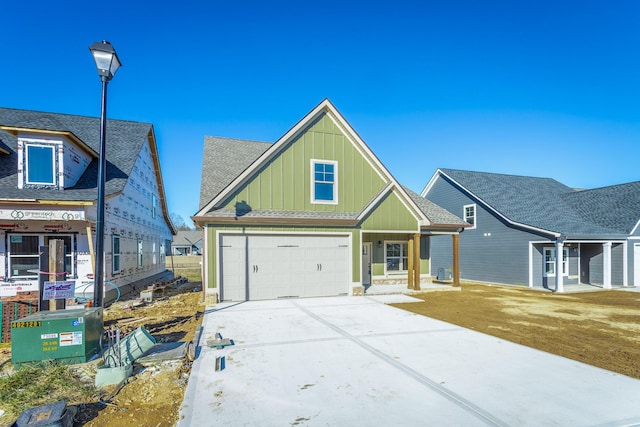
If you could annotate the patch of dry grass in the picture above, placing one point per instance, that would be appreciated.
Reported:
(599, 328)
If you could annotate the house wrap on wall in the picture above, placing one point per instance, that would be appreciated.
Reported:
(520, 223)
(314, 214)
(48, 190)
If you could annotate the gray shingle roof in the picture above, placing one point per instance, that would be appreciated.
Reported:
(542, 203)
(188, 237)
(223, 160)
(437, 215)
(616, 207)
(124, 142)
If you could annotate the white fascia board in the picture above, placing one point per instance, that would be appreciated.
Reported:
(324, 106)
(374, 161)
(375, 201)
(407, 200)
(431, 183)
(635, 228)
(268, 154)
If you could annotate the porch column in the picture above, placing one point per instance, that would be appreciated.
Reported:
(606, 265)
(456, 259)
(410, 271)
(416, 261)
(559, 269)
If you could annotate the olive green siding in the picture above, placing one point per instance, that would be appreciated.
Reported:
(284, 183)
(391, 214)
(212, 253)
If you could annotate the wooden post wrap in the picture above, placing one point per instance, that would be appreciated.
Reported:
(410, 271)
(416, 261)
(56, 268)
(456, 259)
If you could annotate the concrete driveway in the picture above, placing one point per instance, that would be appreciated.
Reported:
(354, 361)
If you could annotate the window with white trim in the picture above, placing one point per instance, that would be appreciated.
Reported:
(40, 164)
(470, 214)
(550, 262)
(115, 253)
(324, 181)
(395, 257)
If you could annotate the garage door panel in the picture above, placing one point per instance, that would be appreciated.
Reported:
(233, 272)
(282, 266)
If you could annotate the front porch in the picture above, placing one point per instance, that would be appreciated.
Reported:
(402, 259)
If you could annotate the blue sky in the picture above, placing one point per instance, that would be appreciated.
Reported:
(540, 88)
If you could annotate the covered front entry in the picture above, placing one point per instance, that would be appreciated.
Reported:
(270, 266)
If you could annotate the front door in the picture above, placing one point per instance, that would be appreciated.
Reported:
(366, 264)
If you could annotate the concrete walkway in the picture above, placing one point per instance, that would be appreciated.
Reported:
(355, 361)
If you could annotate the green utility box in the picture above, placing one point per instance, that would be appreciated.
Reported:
(66, 336)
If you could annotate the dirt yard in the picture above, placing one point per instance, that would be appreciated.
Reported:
(600, 328)
(153, 395)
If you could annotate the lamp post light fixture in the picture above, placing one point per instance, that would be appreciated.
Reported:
(107, 63)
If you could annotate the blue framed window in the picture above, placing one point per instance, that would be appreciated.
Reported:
(324, 181)
(40, 164)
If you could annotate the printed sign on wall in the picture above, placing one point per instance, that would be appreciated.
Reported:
(59, 290)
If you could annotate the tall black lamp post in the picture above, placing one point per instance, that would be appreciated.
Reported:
(107, 63)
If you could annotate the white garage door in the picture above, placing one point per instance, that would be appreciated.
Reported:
(255, 267)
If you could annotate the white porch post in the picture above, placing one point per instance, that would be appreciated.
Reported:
(625, 264)
(559, 269)
(606, 265)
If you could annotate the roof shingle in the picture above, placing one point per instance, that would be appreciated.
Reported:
(124, 142)
(547, 204)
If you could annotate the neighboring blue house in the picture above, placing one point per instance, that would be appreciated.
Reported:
(520, 224)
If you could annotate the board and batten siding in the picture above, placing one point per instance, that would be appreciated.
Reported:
(492, 252)
(391, 214)
(284, 183)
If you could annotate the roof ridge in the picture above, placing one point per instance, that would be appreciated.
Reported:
(238, 139)
(81, 116)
